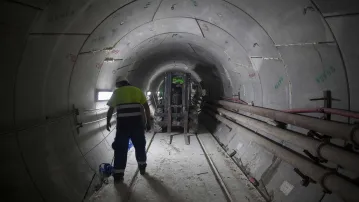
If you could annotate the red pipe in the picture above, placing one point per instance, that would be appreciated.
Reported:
(341, 112)
(308, 110)
(304, 110)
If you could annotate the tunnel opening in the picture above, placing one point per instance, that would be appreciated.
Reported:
(177, 103)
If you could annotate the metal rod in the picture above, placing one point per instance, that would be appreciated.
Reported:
(154, 99)
(334, 129)
(327, 95)
(48, 121)
(346, 159)
(264, 195)
(341, 112)
(89, 186)
(235, 100)
(329, 180)
(168, 102)
(89, 110)
(90, 122)
(325, 110)
(49, 118)
(304, 110)
(215, 171)
(185, 104)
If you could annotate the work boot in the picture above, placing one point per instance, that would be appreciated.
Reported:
(118, 177)
(142, 168)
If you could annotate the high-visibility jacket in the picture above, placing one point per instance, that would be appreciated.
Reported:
(128, 101)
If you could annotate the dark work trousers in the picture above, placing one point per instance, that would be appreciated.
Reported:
(129, 128)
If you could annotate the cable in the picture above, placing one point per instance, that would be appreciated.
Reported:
(88, 188)
(321, 199)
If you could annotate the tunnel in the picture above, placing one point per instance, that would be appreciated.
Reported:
(278, 120)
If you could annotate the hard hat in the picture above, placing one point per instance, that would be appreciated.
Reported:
(121, 78)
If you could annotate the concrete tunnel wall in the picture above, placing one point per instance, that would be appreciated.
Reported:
(277, 54)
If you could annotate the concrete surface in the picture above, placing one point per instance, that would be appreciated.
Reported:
(240, 188)
(180, 172)
(275, 53)
(14, 30)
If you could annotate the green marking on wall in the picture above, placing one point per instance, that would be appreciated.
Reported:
(279, 83)
(325, 74)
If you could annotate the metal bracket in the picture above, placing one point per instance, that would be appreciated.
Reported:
(325, 189)
(281, 125)
(168, 100)
(314, 158)
(305, 179)
(78, 126)
(316, 135)
(308, 8)
(234, 152)
(327, 97)
(316, 99)
(349, 147)
(76, 113)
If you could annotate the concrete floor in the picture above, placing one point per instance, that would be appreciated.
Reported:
(179, 172)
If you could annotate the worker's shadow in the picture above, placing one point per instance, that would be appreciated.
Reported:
(163, 191)
(123, 192)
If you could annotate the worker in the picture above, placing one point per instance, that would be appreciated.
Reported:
(132, 109)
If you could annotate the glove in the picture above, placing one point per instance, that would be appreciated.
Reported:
(108, 126)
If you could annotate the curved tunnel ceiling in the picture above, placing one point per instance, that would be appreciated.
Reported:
(229, 41)
(249, 50)
(275, 54)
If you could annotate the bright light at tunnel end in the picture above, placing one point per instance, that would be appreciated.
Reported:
(103, 95)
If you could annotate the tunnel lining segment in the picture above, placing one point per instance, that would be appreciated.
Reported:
(199, 28)
(25, 4)
(340, 54)
(105, 11)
